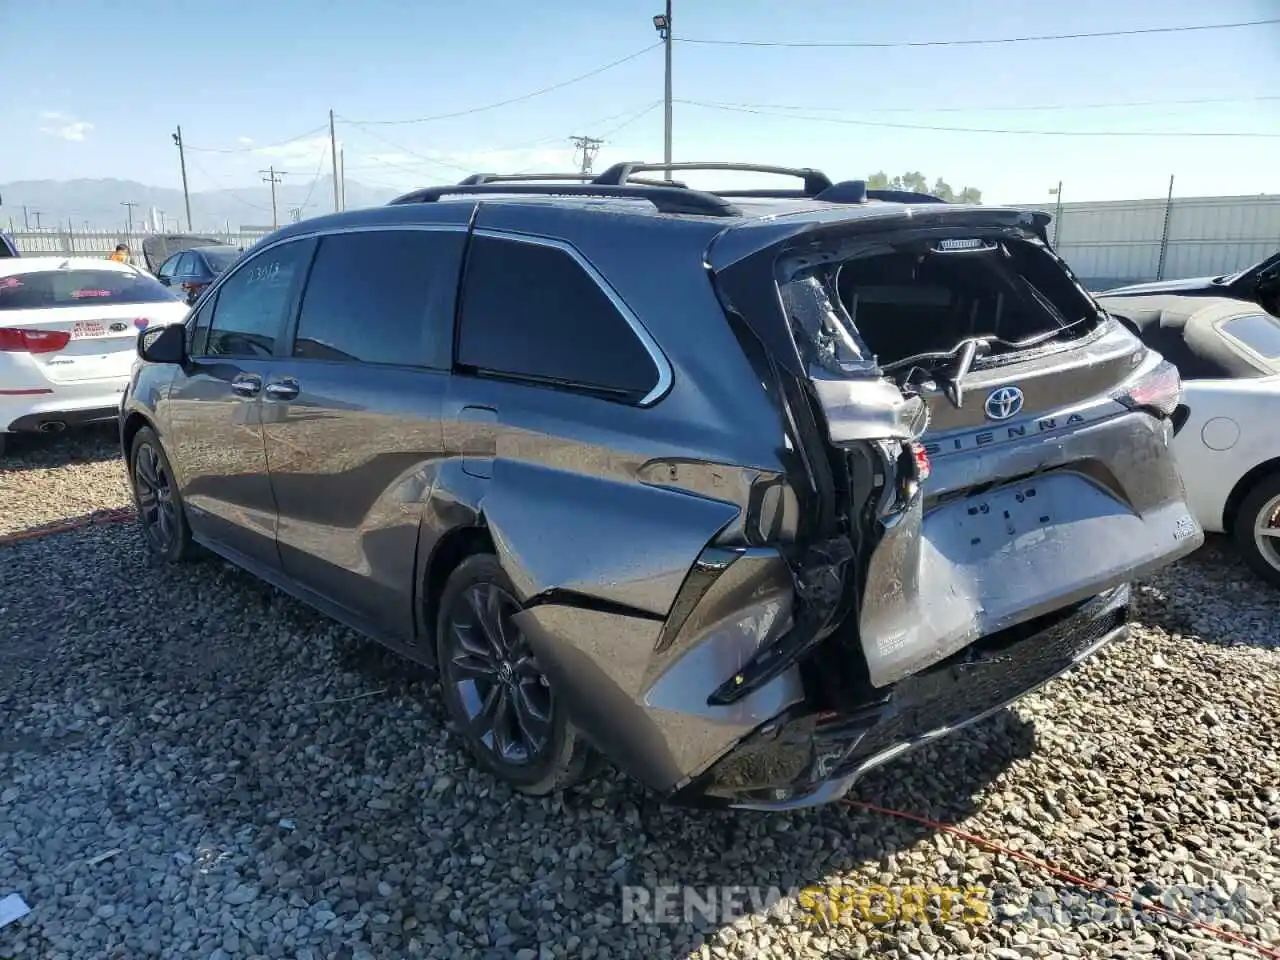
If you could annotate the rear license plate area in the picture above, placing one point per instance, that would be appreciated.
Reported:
(1016, 516)
(88, 329)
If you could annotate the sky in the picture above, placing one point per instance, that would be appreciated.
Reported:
(94, 88)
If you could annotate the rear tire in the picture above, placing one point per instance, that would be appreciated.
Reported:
(494, 691)
(1260, 512)
(161, 512)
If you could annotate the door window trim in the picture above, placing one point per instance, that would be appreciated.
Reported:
(659, 359)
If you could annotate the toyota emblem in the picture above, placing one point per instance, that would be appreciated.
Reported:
(1003, 403)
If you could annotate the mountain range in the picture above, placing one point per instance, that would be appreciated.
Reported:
(100, 204)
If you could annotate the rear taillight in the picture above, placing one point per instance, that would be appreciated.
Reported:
(923, 467)
(18, 340)
(1158, 391)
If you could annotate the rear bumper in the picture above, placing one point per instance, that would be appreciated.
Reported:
(89, 401)
(1094, 508)
(798, 761)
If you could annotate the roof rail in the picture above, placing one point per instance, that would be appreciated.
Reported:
(479, 178)
(666, 198)
(815, 181)
(903, 196)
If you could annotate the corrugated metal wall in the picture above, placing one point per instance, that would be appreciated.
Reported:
(1119, 242)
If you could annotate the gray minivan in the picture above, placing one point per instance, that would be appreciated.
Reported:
(746, 491)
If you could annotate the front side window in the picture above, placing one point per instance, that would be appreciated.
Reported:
(531, 311)
(79, 288)
(383, 297)
(169, 268)
(254, 302)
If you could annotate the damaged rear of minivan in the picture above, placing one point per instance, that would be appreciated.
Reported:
(979, 467)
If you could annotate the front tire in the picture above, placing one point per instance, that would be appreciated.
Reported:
(495, 692)
(161, 514)
(1257, 529)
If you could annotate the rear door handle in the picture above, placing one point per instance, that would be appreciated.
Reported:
(284, 389)
(246, 385)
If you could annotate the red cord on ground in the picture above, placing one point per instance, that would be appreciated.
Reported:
(100, 518)
(1118, 895)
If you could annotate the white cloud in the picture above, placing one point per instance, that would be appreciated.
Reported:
(244, 141)
(63, 126)
(308, 150)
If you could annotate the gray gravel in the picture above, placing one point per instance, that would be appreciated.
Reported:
(192, 765)
(49, 478)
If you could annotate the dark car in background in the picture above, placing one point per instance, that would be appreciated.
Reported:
(749, 492)
(1258, 284)
(192, 270)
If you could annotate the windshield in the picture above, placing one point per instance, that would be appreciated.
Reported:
(77, 288)
(219, 260)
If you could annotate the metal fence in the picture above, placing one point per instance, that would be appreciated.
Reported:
(1130, 241)
(97, 243)
(1107, 243)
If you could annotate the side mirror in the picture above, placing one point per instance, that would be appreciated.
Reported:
(165, 344)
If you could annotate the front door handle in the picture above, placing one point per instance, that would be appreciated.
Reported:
(246, 385)
(285, 389)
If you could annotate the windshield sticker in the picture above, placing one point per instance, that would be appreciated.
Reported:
(86, 294)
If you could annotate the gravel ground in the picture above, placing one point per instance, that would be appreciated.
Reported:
(193, 765)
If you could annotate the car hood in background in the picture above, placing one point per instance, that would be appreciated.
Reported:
(1194, 287)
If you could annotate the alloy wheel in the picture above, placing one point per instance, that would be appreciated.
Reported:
(156, 507)
(1266, 531)
(504, 693)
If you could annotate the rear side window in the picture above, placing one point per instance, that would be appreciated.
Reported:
(383, 297)
(532, 311)
(255, 301)
(78, 288)
(1258, 332)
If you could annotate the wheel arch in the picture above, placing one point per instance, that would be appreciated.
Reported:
(446, 555)
(1241, 490)
(134, 422)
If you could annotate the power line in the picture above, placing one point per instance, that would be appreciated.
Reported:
(520, 99)
(1002, 130)
(628, 116)
(642, 112)
(314, 180)
(265, 146)
(886, 44)
(402, 149)
(231, 193)
(1004, 107)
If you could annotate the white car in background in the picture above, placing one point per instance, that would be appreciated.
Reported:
(68, 335)
(1227, 350)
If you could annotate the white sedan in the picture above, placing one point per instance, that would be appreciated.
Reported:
(68, 330)
(1228, 439)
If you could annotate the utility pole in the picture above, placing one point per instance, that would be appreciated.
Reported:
(273, 177)
(342, 179)
(662, 23)
(589, 147)
(26, 219)
(1057, 214)
(182, 159)
(130, 204)
(333, 155)
(1164, 231)
(36, 214)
